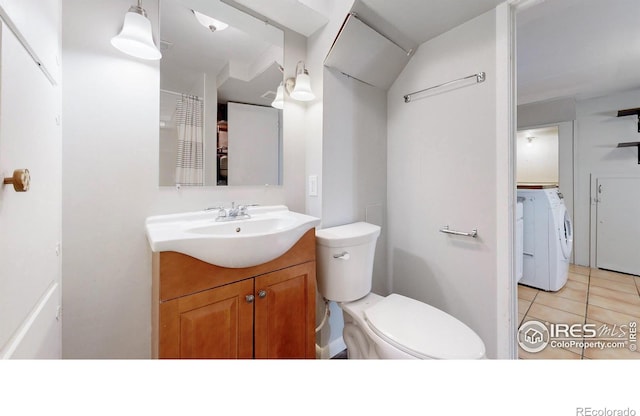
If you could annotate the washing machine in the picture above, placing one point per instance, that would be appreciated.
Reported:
(547, 239)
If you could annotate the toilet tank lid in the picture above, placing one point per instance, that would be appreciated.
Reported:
(348, 235)
(422, 330)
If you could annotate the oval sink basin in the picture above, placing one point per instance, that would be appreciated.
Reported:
(269, 233)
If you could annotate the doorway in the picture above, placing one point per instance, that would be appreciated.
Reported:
(561, 80)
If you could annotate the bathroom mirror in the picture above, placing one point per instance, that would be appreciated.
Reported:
(219, 73)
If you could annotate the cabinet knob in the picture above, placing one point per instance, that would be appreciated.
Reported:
(249, 298)
(262, 293)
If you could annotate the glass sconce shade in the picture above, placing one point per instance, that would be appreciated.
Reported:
(278, 102)
(302, 91)
(136, 37)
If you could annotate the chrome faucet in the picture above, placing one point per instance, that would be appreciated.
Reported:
(233, 213)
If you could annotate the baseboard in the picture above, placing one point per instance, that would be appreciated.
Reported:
(335, 347)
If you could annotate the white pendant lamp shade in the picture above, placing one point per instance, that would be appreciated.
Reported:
(302, 90)
(136, 37)
(278, 102)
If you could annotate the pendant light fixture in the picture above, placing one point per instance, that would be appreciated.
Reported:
(136, 37)
(209, 22)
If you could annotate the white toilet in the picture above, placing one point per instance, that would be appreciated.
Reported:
(383, 327)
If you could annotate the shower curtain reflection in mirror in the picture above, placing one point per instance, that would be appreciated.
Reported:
(189, 163)
(181, 139)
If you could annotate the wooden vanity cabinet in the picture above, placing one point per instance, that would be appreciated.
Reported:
(205, 311)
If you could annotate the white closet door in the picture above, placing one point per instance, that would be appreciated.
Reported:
(30, 222)
(618, 225)
(254, 145)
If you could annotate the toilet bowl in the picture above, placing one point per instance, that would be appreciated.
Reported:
(375, 326)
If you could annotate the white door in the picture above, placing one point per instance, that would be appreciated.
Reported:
(254, 145)
(30, 138)
(618, 225)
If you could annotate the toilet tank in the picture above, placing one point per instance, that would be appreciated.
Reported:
(345, 260)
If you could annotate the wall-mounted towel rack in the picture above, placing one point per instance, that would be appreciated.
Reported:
(472, 234)
(480, 77)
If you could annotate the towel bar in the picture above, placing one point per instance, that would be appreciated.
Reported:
(472, 234)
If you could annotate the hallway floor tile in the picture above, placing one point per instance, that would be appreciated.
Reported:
(609, 300)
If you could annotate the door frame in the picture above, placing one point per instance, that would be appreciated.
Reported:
(507, 293)
(507, 296)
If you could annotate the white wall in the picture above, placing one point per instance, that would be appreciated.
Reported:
(598, 131)
(442, 170)
(110, 181)
(354, 164)
(318, 46)
(546, 112)
(354, 160)
(538, 157)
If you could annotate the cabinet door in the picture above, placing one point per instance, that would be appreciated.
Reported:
(216, 323)
(285, 310)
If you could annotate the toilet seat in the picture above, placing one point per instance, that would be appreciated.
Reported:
(422, 330)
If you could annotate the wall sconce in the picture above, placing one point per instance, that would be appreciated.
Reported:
(530, 140)
(278, 102)
(136, 37)
(300, 87)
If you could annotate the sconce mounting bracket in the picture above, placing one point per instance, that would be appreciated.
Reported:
(290, 84)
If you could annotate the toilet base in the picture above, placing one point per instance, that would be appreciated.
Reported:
(362, 342)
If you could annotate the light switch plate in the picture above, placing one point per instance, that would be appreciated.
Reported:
(313, 185)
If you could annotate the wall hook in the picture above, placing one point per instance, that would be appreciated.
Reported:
(20, 180)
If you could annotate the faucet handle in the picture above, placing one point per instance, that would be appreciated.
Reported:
(243, 208)
(222, 212)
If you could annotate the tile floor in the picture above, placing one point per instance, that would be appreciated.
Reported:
(590, 296)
